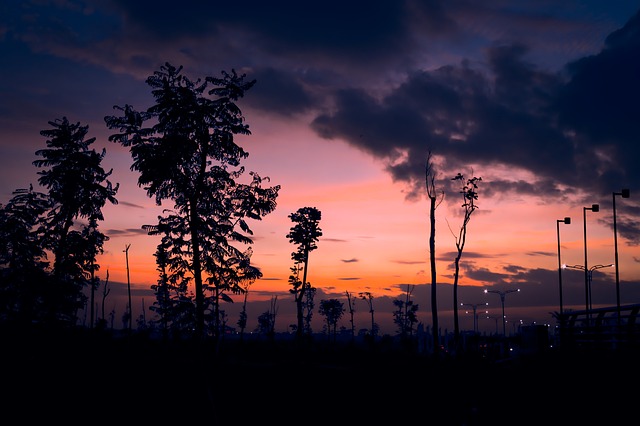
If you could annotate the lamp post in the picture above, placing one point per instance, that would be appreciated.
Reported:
(502, 294)
(594, 208)
(475, 315)
(590, 277)
(495, 319)
(625, 194)
(566, 221)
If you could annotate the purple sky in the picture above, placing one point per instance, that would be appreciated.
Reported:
(539, 98)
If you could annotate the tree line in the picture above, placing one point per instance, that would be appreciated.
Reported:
(183, 148)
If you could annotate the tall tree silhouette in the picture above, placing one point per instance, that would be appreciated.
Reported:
(305, 233)
(435, 198)
(469, 196)
(78, 188)
(189, 156)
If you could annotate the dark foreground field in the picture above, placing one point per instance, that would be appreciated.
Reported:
(86, 379)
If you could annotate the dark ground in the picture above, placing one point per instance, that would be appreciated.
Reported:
(79, 378)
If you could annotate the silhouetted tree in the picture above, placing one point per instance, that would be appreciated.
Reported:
(173, 303)
(229, 275)
(433, 196)
(305, 233)
(267, 320)
(351, 304)
(189, 156)
(23, 261)
(306, 297)
(308, 304)
(368, 297)
(405, 316)
(469, 196)
(242, 321)
(162, 305)
(102, 322)
(78, 188)
(94, 245)
(332, 310)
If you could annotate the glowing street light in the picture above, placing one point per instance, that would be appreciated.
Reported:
(475, 315)
(502, 294)
(594, 208)
(590, 277)
(566, 221)
(625, 194)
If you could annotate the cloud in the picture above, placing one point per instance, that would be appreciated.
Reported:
(125, 232)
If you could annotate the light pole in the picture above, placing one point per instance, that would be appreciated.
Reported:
(625, 194)
(594, 208)
(590, 277)
(475, 315)
(496, 321)
(502, 294)
(566, 221)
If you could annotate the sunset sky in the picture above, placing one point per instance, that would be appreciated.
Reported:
(538, 98)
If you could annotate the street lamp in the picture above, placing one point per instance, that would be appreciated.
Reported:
(502, 294)
(496, 321)
(590, 277)
(475, 315)
(594, 208)
(566, 221)
(625, 194)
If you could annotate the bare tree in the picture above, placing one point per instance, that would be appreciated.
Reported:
(368, 297)
(469, 196)
(435, 198)
(352, 310)
(105, 292)
(129, 306)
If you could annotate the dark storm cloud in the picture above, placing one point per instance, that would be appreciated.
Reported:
(600, 103)
(484, 275)
(280, 92)
(627, 224)
(577, 129)
(349, 30)
(459, 113)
